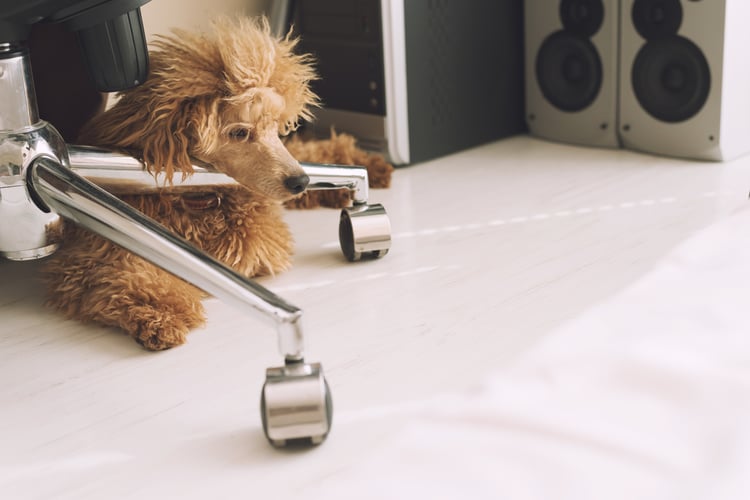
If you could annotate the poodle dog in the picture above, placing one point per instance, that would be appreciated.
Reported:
(224, 98)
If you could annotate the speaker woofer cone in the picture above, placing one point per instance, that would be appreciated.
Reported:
(569, 71)
(671, 79)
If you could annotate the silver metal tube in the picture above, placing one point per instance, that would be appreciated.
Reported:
(25, 231)
(119, 173)
(77, 199)
(339, 176)
(18, 108)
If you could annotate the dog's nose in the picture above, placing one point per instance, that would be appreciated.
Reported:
(297, 184)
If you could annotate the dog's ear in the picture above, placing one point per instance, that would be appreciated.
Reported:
(185, 83)
(159, 130)
(157, 118)
(164, 141)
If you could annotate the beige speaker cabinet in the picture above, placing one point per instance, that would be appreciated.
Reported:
(571, 49)
(685, 77)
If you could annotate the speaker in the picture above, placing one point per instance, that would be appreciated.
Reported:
(571, 49)
(685, 77)
(414, 79)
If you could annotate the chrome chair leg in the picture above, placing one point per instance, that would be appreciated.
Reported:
(43, 179)
(38, 187)
(296, 401)
(364, 229)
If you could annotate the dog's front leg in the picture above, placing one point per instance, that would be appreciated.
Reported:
(91, 279)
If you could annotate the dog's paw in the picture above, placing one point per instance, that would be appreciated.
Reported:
(160, 339)
(160, 330)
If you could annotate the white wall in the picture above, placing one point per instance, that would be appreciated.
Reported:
(159, 16)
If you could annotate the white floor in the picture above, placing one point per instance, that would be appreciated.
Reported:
(493, 249)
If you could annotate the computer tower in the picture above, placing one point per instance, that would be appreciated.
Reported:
(413, 79)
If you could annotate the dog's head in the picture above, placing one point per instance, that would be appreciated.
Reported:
(224, 97)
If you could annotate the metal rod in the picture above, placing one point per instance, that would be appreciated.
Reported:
(120, 173)
(338, 176)
(18, 107)
(76, 198)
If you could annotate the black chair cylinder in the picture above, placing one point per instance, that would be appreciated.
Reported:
(110, 32)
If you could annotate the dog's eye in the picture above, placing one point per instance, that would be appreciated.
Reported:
(240, 133)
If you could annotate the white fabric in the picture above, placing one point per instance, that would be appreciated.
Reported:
(646, 396)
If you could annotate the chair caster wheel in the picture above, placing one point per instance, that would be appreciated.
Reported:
(364, 232)
(296, 406)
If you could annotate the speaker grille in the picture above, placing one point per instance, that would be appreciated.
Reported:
(464, 80)
(442, 79)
